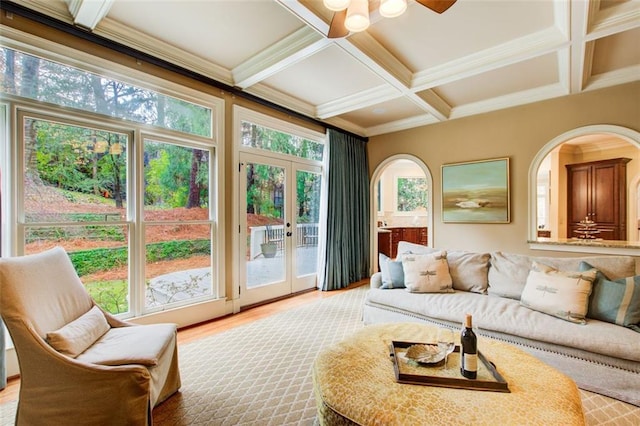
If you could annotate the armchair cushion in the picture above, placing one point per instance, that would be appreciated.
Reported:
(75, 337)
(131, 345)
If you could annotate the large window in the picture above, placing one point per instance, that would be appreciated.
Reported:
(121, 176)
(34, 78)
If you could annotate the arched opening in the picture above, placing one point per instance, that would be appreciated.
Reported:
(402, 196)
(548, 215)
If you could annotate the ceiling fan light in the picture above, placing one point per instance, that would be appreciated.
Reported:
(392, 8)
(357, 16)
(336, 5)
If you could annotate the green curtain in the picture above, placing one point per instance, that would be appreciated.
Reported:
(348, 220)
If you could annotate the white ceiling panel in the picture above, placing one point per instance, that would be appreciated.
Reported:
(386, 112)
(329, 74)
(423, 39)
(518, 77)
(223, 32)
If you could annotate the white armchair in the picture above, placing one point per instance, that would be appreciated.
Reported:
(78, 364)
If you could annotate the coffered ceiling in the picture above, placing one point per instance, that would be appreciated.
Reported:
(417, 69)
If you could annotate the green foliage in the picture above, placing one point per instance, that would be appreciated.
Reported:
(102, 259)
(96, 260)
(412, 194)
(110, 295)
(168, 175)
(183, 249)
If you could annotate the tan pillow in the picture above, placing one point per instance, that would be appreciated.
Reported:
(427, 273)
(561, 294)
(469, 270)
(75, 337)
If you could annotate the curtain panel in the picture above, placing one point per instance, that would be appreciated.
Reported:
(348, 210)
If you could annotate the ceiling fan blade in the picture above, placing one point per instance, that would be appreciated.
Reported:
(437, 6)
(337, 28)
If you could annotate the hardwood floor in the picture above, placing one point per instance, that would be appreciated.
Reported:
(218, 325)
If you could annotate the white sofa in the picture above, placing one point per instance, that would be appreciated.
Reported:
(600, 356)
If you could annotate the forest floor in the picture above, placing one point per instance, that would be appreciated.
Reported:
(50, 201)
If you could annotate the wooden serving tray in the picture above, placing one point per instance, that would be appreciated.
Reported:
(410, 372)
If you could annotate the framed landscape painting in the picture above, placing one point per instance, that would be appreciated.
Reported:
(476, 192)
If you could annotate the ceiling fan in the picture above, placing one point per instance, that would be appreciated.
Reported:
(353, 15)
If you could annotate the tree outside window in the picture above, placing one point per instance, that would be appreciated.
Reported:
(411, 194)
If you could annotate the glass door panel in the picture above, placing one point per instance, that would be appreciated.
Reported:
(307, 215)
(265, 249)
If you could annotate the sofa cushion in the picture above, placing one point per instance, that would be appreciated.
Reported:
(427, 273)
(131, 345)
(558, 293)
(508, 272)
(508, 317)
(75, 337)
(615, 301)
(469, 270)
(392, 272)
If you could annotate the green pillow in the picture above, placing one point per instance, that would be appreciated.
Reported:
(615, 301)
(392, 272)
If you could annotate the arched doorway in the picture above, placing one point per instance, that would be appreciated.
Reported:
(547, 177)
(396, 185)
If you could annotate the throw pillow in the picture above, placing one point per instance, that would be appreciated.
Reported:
(561, 294)
(75, 337)
(392, 273)
(615, 301)
(427, 273)
(469, 270)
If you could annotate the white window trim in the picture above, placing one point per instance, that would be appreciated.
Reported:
(49, 50)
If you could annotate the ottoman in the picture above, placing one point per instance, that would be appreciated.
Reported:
(354, 384)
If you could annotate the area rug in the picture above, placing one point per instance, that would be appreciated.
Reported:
(260, 373)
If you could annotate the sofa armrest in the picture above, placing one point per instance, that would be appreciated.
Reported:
(376, 280)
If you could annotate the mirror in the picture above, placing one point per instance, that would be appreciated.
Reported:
(551, 187)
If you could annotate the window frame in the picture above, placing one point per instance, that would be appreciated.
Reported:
(12, 244)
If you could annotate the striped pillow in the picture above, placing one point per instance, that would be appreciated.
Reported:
(615, 301)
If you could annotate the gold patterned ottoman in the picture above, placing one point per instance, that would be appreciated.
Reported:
(354, 384)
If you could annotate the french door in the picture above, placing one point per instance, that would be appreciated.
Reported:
(279, 211)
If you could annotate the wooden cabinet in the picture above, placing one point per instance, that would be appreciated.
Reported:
(388, 241)
(384, 243)
(597, 191)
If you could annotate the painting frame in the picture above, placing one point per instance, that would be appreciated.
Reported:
(476, 191)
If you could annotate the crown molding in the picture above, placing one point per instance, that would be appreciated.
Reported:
(286, 52)
(363, 99)
(517, 50)
(274, 96)
(404, 124)
(511, 100)
(613, 78)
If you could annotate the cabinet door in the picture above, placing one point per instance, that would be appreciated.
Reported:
(596, 191)
(605, 207)
(384, 243)
(411, 235)
(579, 195)
(396, 236)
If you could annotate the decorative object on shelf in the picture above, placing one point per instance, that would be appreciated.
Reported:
(587, 229)
(476, 192)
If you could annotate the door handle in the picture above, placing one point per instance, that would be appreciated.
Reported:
(288, 234)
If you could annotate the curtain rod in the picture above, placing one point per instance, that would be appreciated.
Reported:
(86, 35)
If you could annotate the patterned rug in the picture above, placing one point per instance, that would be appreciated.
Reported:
(260, 373)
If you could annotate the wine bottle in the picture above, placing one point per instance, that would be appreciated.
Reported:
(468, 350)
